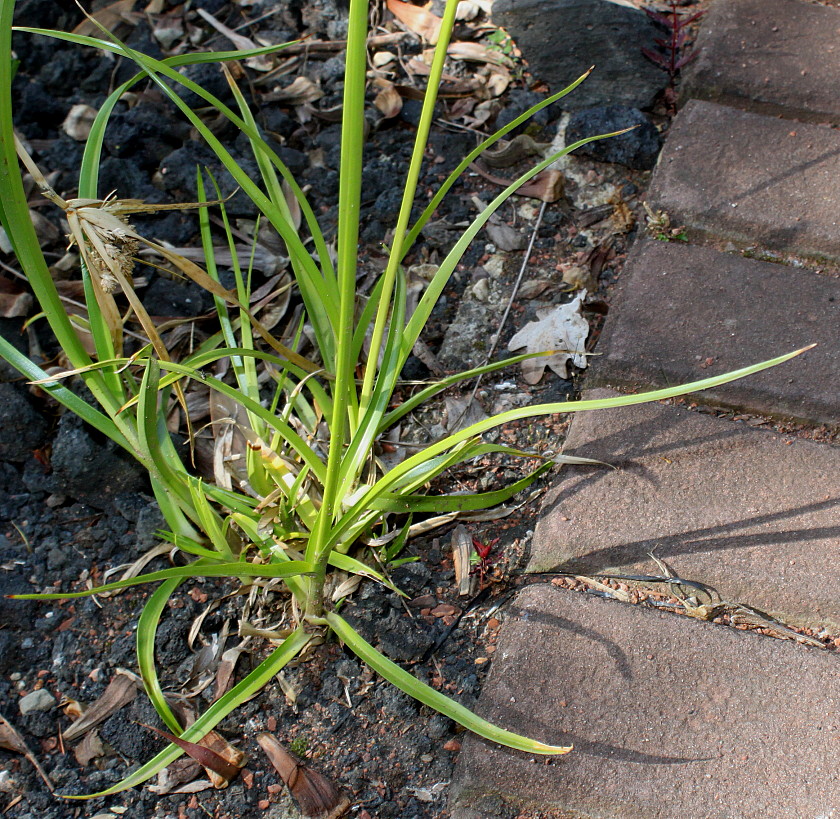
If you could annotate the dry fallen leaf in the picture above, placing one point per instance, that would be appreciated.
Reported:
(78, 122)
(461, 551)
(302, 90)
(477, 53)
(317, 796)
(388, 101)
(416, 19)
(547, 186)
(120, 691)
(110, 17)
(560, 328)
(89, 748)
(461, 412)
(11, 740)
(14, 300)
(222, 762)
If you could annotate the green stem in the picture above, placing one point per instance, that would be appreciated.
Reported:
(349, 203)
(396, 254)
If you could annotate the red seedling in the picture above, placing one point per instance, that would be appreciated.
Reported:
(485, 557)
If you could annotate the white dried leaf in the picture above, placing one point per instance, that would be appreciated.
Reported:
(560, 328)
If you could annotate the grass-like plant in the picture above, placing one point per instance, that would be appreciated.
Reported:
(310, 489)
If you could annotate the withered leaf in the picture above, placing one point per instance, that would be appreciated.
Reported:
(110, 17)
(120, 691)
(14, 300)
(89, 748)
(560, 330)
(416, 19)
(388, 101)
(317, 796)
(217, 745)
(208, 759)
(461, 551)
(300, 91)
(547, 185)
(519, 148)
(11, 740)
(478, 53)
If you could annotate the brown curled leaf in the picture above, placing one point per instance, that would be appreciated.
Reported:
(120, 691)
(204, 756)
(317, 796)
(11, 740)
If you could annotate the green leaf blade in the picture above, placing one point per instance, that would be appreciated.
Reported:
(434, 699)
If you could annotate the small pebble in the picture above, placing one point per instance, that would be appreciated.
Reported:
(40, 700)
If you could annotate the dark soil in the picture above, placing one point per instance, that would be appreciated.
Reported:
(72, 506)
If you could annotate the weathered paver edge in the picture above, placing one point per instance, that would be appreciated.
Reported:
(624, 656)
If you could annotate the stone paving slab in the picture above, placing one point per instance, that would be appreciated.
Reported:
(752, 179)
(669, 718)
(769, 56)
(686, 312)
(748, 511)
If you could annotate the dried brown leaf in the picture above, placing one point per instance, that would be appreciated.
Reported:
(110, 17)
(388, 101)
(221, 769)
(300, 91)
(14, 299)
(261, 63)
(461, 551)
(120, 691)
(533, 288)
(89, 748)
(510, 153)
(416, 19)
(317, 796)
(11, 740)
(477, 53)
(547, 186)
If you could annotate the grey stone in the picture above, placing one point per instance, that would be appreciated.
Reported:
(561, 39)
(34, 701)
(752, 179)
(770, 56)
(668, 717)
(685, 313)
(22, 427)
(748, 511)
(637, 149)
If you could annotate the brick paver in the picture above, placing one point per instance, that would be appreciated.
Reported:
(769, 56)
(752, 179)
(687, 312)
(669, 718)
(748, 511)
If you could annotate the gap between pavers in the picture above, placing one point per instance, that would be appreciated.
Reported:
(752, 179)
(685, 312)
(779, 57)
(748, 511)
(669, 718)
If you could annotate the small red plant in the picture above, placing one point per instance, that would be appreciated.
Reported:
(486, 559)
(671, 59)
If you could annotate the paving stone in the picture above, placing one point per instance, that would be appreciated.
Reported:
(760, 55)
(563, 38)
(752, 179)
(669, 718)
(748, 511)
(687, 312)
